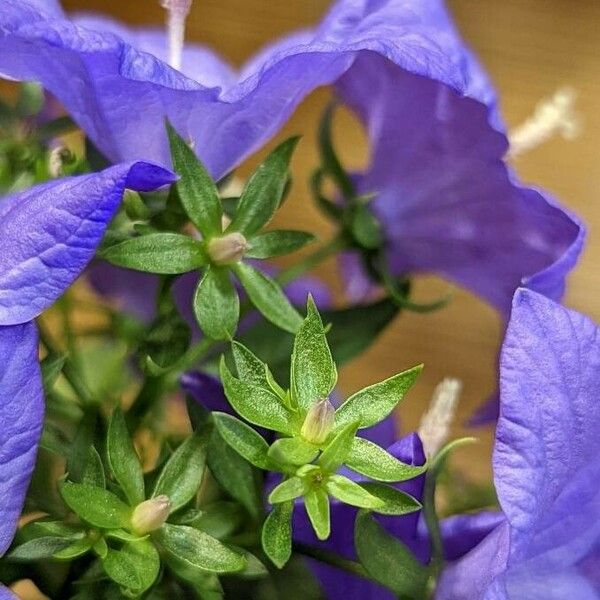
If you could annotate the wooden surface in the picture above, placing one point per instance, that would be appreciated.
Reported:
(530, 47)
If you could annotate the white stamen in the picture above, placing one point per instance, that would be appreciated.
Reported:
(177, 11)
(552, 116)
(57, 157)
(435, 424)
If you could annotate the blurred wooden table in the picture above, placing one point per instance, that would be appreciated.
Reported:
(531, 47)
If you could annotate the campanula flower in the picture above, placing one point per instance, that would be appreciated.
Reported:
(546, 467)
(445, 200)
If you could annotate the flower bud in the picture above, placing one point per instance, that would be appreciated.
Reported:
(227, 249)
(318, 422)
(150, 514)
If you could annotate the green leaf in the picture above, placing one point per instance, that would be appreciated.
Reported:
(268, 297)
(337, 450)
(243, 439)
(93, 473)
(256, 404)
(77, 548)
(348, 491)
(278, 242)
(287, 490)
(38, 549)
(396, 502)
(100, 547)
(124, 536)
(365, 227)
(197, 191)
(135, 567)
(249, 367)
(234, 475)
(374, 403)
(123, 459)
(198, 549)
(220, 519)
(51, 367)
(163, 253)
(277, 534)
(216, 304)
(313, 372)
(182, 475)
(387, 559)
(168, 339)
(317, 507)
(264, 191)
(294, 451)
(369, 459)
(96, 506)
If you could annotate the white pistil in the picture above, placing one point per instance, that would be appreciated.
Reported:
(177, 12)
(552, 116)
(435, 424)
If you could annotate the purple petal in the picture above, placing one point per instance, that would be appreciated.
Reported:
(206, 390)
(21, 418)
(50, 232)
(6, 594)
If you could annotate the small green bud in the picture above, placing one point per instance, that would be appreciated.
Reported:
(150, 514)
(318, 422)
(227, 249)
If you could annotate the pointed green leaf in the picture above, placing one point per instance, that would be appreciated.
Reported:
(294, 451)
(197, 191)
(317, 507)
(268, 297)
(123, 459)
(277, 243)
(77, 548)
(264, 191)
(243, 439)
(313, 372)
(277, 534)
(38, 549)
(93, 473)
(216, 304)
(182, 475)
(135, 567)
(374, 403)
(369, 459)
(289, 489)
(249, 367)
(387, 559)
(256, 404)
(337, 450)
(163, 253)
(396, 502)
(347, 491)
(96, 506)
(198, 549)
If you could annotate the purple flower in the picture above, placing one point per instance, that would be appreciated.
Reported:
(48, 234)
(446, 201)
(546, 466)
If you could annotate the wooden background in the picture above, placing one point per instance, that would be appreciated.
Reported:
(530, 47)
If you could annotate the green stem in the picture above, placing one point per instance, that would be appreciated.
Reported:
(312, 260)
(331, 558)
(69, 370)
(433, 524)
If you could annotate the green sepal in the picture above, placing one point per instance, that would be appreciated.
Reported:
(371, 460)
(287, 490)
(264, 191)
(268, 297)
(256, 404)
(135, 567)
(277, 243)
(199, 549)
(162, 253)
(182, 474)
(217, 304)
(96, 506)
(352, 493)
(123, 459)
(243, 439)
(337, 449)
(387, 559)
(313, 371)
(197, 190)
(276, 534)
(374, 403)
(317, 507)
(395, 502)
(294, 451)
